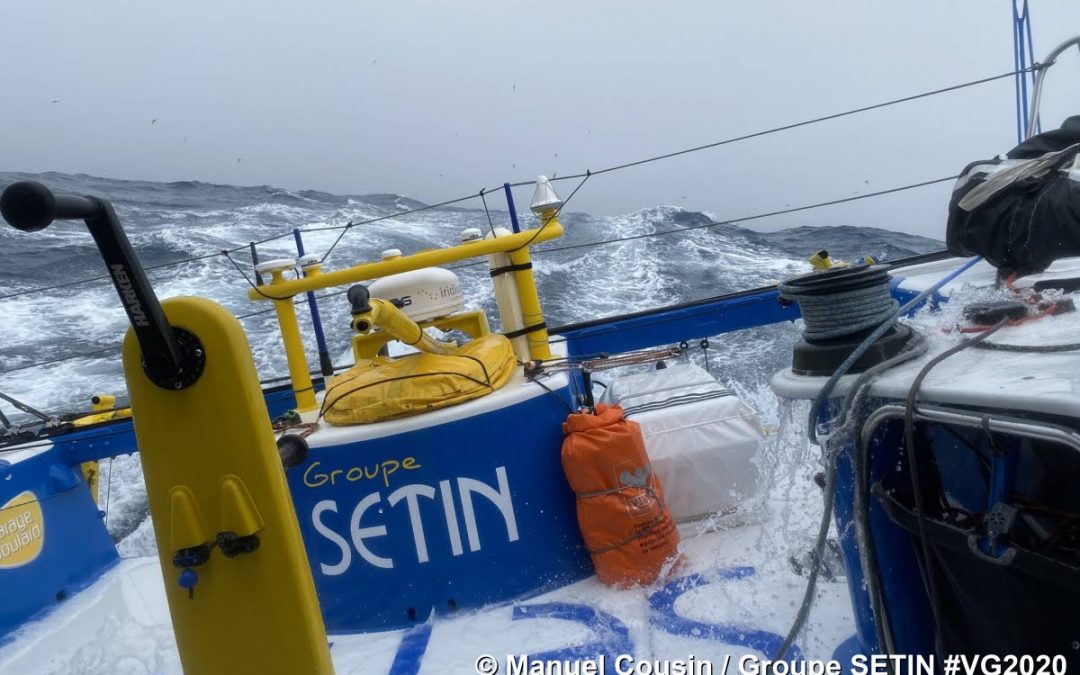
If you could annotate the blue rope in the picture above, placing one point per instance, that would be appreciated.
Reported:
(872, 338)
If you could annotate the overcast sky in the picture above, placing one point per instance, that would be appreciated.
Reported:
(438, 99)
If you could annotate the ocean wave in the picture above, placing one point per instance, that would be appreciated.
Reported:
(676, 255)
(173, 221)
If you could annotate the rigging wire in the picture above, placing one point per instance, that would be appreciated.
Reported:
(491, 224)
(552, 249)
(105, 277)
(552, 218)
(733, 221)
(337, 241)
(765, 132)
(584, 176)
(427, 207)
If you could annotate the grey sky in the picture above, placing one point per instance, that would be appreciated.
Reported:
(437, 99)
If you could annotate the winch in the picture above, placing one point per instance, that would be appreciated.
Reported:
(840, 308)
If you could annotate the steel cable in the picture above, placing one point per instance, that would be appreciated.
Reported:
(584, 174)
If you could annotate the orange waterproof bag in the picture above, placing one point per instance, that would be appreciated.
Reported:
(620, 506)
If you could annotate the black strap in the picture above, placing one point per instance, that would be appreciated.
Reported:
(526, 330)
(510, 268)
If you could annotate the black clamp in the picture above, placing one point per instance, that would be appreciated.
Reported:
(187, 559)
(526, 330)
(999, 521)
(510, 268)
(232, 544)
(193, 556)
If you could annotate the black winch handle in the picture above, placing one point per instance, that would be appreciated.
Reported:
(172, 358)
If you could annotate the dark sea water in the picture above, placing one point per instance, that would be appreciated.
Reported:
(169, 222)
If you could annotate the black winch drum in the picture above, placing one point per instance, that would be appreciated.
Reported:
(834, 289)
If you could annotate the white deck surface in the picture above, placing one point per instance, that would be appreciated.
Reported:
(1047, 383)
(736, 592)
(121, 625)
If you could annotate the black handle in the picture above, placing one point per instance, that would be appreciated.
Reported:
(360, 299)
(31, 206)
(172, 358)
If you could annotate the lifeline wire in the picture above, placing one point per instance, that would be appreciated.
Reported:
(732, 221)
(825, 118)
(806, 207)
(245, 276)
(103, 277)
(557, 212)
(759, 216)
(585, 175)
(487, 213)
(795, 125)
(757, 134)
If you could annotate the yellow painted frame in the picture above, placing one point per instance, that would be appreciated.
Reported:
(211, 465)
(474, 324)
(281, 291)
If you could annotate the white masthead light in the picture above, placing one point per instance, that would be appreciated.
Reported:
(544, 198)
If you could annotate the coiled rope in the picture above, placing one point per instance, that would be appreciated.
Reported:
(851, 407)
(841, 302)
(870, 339)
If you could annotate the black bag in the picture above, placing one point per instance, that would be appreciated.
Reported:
(1023, 603)
(1026, 598)
(1021, 212)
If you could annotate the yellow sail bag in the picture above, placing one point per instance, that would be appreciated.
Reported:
(382, 389)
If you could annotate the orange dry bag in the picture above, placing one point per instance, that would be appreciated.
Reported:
(620, 506)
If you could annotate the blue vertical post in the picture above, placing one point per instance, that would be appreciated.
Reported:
(326, 366)
(1031, 56)
(513, 209)
(1023, 57)
(1020, 29)
(1002, 485)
